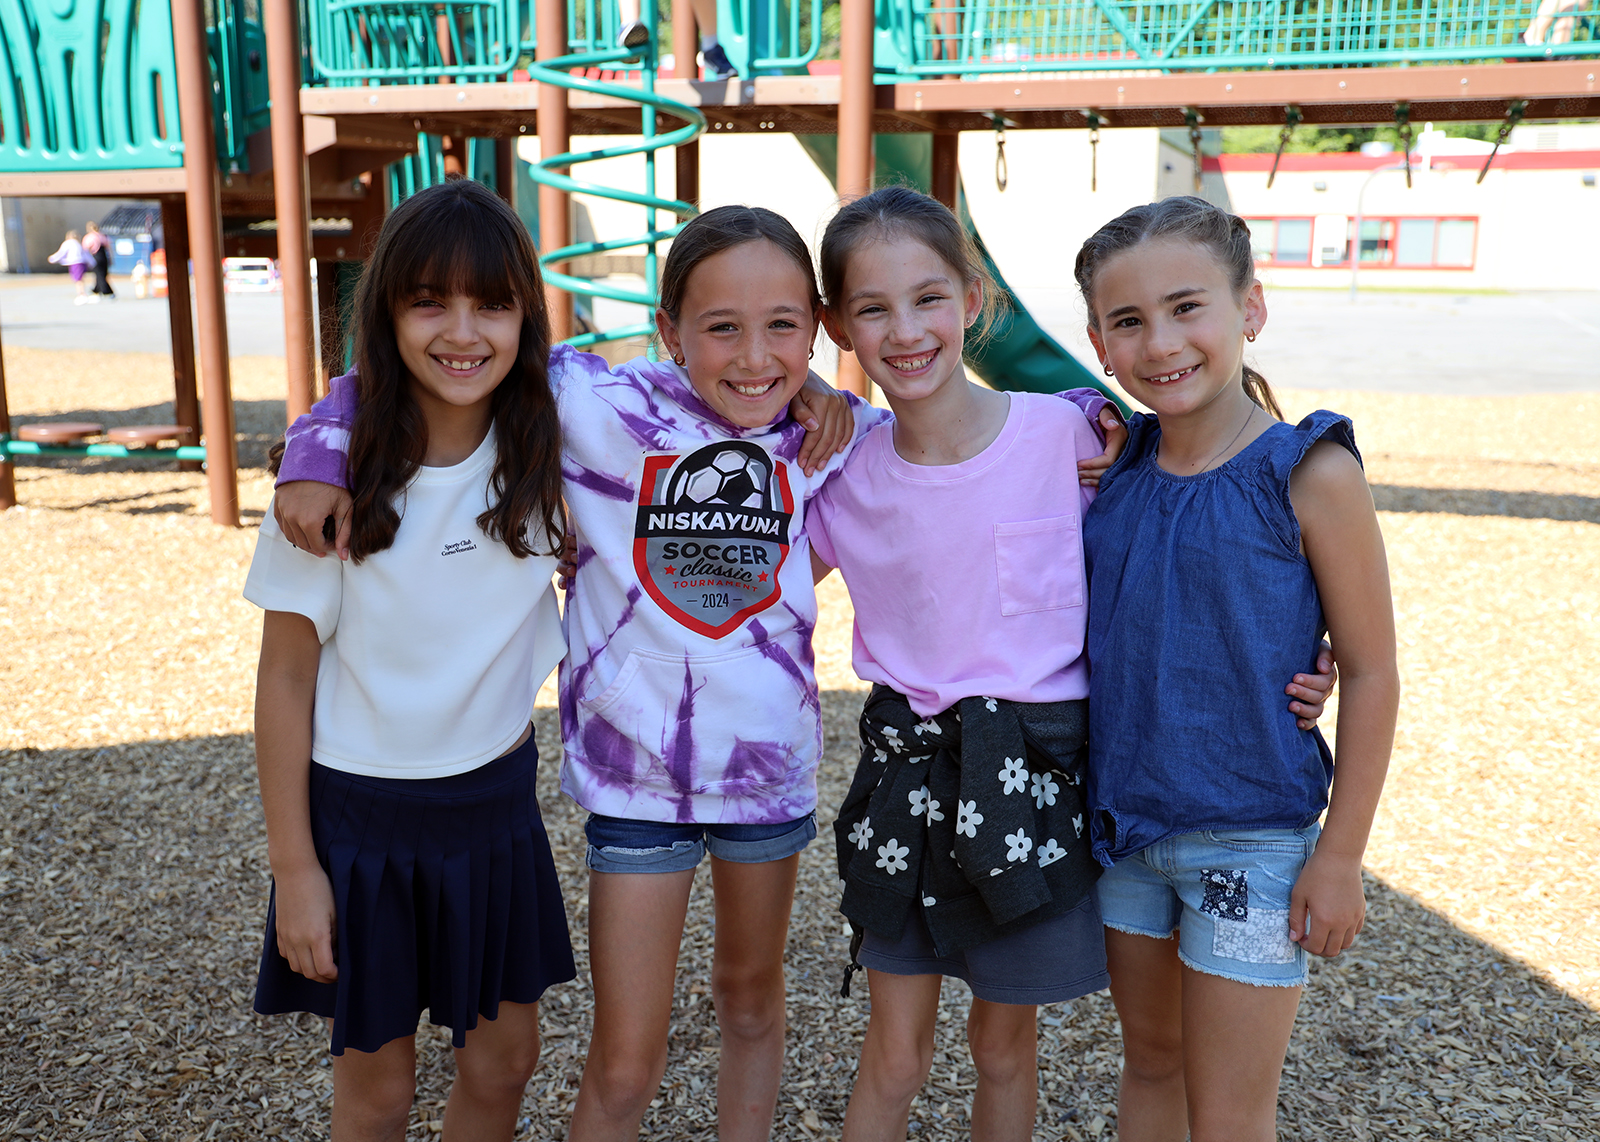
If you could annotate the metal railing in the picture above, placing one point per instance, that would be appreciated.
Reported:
(976, 37)
(770, 37)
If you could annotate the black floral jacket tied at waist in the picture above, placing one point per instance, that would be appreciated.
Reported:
(976, 814)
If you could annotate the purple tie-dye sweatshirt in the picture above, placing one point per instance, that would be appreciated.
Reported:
(688, 691)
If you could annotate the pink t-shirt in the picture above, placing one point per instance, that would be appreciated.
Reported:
(967, 578)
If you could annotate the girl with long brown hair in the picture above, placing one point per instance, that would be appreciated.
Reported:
(410, 864)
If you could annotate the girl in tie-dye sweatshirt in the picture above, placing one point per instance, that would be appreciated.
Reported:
(689, 708)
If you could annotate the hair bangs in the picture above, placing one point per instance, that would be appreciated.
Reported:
(458, 250)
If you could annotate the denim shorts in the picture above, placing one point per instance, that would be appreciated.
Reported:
(620, 844)
(1226, 894)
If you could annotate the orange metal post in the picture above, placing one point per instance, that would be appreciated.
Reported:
(685, 47)
(946, 171)
(8, 486)
(291, 193)
(180, 322)
(201, 199)
(555, 219)
(856, 97)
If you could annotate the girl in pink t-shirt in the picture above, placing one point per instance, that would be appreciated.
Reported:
(957, 526)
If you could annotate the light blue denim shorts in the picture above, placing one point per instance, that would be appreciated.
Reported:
(1225, 893)
(621, 844)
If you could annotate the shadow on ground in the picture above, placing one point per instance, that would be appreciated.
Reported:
(1486, 501)
(133, 881)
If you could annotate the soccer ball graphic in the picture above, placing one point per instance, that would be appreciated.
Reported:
(732, 473)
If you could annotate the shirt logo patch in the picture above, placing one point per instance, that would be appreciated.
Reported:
(712, 532)
(458, 547)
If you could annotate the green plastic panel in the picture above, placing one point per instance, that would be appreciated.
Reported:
(87, 85)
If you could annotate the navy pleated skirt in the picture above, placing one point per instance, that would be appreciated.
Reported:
(446, 897)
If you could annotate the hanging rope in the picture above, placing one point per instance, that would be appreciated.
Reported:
(1402, 124)
(1514, 112)
(1094, 150)
(1002, 175)
(1192, 117)
(1291, 120)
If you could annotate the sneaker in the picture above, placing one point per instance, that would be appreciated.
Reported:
(634, 36)
(80, 300)
(717, 64)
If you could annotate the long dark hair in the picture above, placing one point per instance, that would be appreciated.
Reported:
(896, 212)
(1187, 219)
(459, 238)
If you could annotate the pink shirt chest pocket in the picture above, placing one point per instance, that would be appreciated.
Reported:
(1039, 564)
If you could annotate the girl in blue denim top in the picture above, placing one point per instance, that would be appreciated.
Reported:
(1224, 542)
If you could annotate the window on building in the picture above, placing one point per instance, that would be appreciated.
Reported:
(1280, 241)
(1393, 243)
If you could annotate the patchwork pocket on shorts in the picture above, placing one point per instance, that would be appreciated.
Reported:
(1258, 936)
(1262, 939)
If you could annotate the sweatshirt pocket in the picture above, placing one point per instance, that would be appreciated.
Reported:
(1040, 565)
(734, 723)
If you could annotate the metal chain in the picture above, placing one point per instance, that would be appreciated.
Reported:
(1094, 151)
(1192, 117)
(1291, 120)
(1514, 112)
(1402, 123)
(1002, 174)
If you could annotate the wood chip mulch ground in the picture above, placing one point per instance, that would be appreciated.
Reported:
(133, 872)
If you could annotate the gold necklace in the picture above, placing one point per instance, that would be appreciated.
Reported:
(1249, 416)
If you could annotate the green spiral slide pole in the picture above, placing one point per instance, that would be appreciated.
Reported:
(552, 170)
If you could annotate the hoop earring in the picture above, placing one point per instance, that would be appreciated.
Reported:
(1108, 369)
(812, 355)
(1250, 336)
(678, 360)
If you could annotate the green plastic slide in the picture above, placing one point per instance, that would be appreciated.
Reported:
(1018, 354)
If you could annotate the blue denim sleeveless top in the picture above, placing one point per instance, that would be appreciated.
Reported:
(1201, 609)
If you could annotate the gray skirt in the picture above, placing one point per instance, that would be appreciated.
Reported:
(1053, 961)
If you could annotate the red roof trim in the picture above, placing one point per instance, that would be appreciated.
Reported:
(1355, 161)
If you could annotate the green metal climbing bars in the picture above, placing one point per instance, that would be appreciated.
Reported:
(549, 171)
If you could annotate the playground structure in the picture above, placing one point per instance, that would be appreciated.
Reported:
(146, 99)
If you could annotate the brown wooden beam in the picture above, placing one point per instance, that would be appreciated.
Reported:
(946, 168)
(555, 225)
(856, 103)
(686, 66)
(202, 201)
(97, 184)
(292, 197)
(180, 322)
(8, 483)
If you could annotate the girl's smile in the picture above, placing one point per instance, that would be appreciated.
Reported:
(744, 332)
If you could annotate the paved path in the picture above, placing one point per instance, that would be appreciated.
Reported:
(1466, 344)
(1470, 344)
(36, 310)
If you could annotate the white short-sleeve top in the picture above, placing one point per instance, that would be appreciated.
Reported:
(433, 649)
